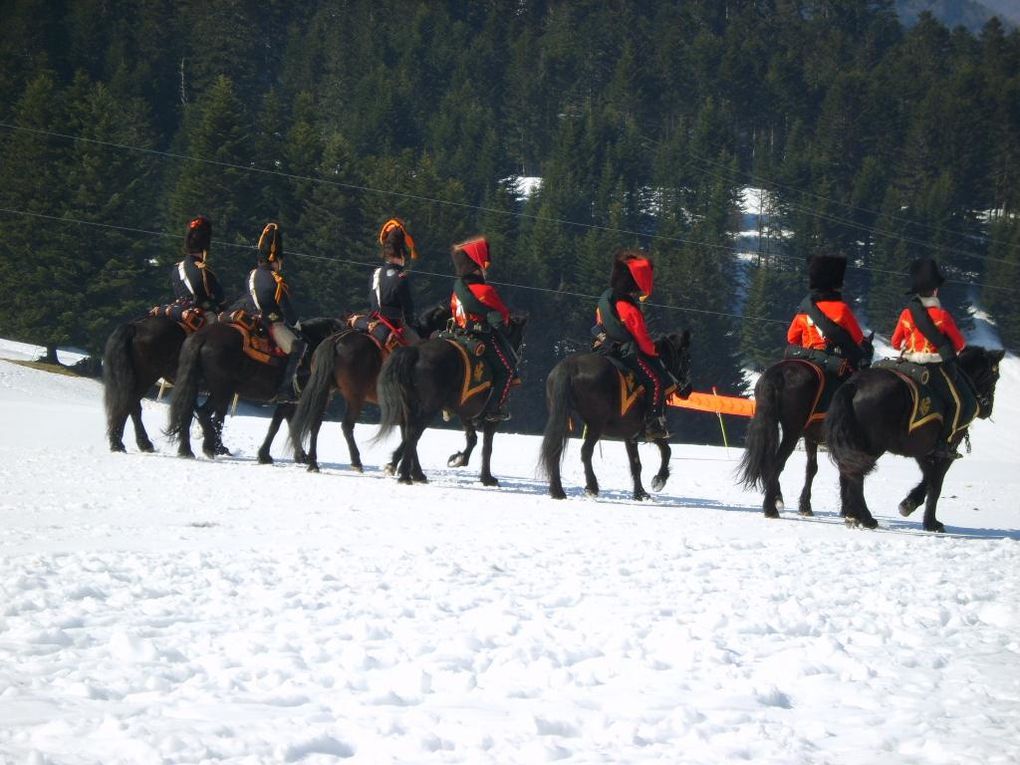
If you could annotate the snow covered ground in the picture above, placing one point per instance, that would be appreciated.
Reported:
(154, 610)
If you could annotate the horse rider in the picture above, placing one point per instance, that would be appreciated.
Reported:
(927, 334)
(825, 329)
(478, 310)
(390, 293)
(269, 297)
(194, 283)
(621, 331)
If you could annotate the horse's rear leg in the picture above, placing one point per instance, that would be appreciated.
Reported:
(410, 469)
(916, 496)
(488, 431)
(804, 505)
(591, 483)
(934, 473)
(141, 437)
(390, 468)
(351, 415)
(773, 502)
(635, 470)
(460, 459)
(659, 481)
(857, 512)
(274, 426)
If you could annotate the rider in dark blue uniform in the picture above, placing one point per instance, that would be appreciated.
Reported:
(390, 291)
(194, 283)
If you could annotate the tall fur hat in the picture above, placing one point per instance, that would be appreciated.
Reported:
(826, 272)
(396, 241)
(271, 243)
(469, 255)
(925, 276)
(198, 236)
(632, 272)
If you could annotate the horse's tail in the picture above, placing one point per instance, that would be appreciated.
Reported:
(315, 395)
(848, 445)
(396, 390)
(119, 380)
(189, 375)
(762, 443)
(557, 430)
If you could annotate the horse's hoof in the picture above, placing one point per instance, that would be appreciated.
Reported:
(456, 460)
(658, 483)
(186, 454)
(419, 479)
(588, 492)
(146, 448)
(313, 467)
(557, 494)
(907, 507)
(265, 459)
(389, 469)
(405, 481)
(117, 447)
(300, 458)
(937, 528)
(358, 468)
(490, 481)
(807, 512)
(641, 496)
(222, 451)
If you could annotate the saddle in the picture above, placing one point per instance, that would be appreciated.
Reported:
(629, 374)
(258, 344)
(381, 332)
(934, 393)
(189, 318)
(830, 370)
(477, 373)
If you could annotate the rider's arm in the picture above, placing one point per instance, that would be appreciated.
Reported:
(634, 321)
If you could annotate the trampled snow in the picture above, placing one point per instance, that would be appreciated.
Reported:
(154, 610)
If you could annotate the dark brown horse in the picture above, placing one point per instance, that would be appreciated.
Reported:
(871, 414)
(418, 381)
(588, 384)
(214, 357)
(347, 362)
(785, 398)
(136, 355)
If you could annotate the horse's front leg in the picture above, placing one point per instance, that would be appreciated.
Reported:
(281, 411)
(935, 474)
(460, 459)
(916, 496)
(659, 481)
(635, 469)
(488, 431)
(810, 470)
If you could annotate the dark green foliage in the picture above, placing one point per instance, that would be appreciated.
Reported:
(644, 121)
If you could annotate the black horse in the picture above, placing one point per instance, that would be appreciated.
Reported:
(136, 355)
(418, 381)
(215, 356)
(785, 398)
(590, 385)
(348, 362)
(871, 414)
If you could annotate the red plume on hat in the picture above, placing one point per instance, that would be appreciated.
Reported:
(387, 235)
(198, 236)
(467, 255)
(632, 272)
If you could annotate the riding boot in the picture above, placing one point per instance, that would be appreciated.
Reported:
(289, 390)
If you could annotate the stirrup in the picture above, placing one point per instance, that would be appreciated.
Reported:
(496, 415)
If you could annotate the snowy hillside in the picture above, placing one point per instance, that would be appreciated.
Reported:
(154, 610)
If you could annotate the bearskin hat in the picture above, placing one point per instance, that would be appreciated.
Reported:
(469, 255)
(396, 241)
(632, 272)
(925, 276)
(198, 236)
(271, 243)
(826, 272)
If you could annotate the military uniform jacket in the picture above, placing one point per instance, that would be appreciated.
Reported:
(908, 337)
(269, 296)
(194, 281)
(804, 332)
(391, 294)
(623, 311)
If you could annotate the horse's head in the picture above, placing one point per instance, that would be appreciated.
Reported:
(982, 367)
(675, 351)
(433, 319)
(321, 327)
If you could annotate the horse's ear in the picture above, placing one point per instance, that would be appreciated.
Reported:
(997, 355)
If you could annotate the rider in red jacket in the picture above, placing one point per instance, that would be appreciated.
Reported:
(478, 309)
